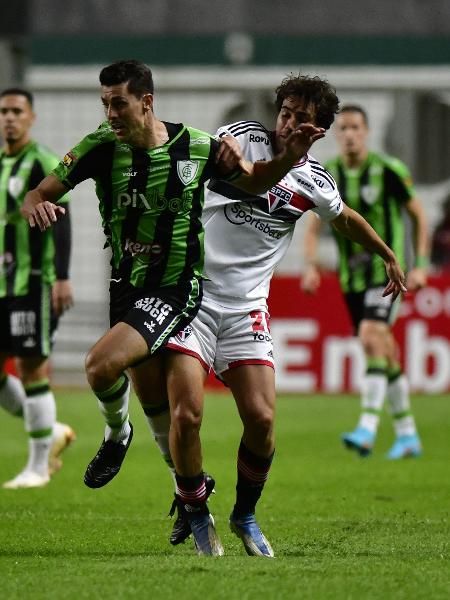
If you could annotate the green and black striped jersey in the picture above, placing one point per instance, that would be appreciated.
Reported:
(23, 251)
(150, 200)
(377, 190)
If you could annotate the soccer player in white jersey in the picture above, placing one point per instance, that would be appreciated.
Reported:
(245, 237)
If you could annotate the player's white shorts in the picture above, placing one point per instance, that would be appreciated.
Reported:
(223, 338)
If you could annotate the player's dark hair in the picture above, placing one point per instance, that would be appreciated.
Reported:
(357, 109)
(135, 72)
(312, 90)
(16, 91)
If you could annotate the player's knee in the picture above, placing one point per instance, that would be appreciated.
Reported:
(100, 370)
(260, 422)
(186, 418)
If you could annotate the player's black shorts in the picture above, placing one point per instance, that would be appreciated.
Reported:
(370, 304)
(156, 314)
(28, 323)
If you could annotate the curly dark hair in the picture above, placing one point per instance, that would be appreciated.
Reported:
(312, 90)
(135, 72)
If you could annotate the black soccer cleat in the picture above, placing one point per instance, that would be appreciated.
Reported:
(181, 529)
(107, 462)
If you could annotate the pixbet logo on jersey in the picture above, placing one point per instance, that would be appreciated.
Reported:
(153, 201)
(155, 307)
(239, 214)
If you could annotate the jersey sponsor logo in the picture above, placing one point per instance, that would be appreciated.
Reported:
(258, 138)
(135, 248)
(306, 184)
(317, 181)
(154, 201)
(23, 322)
(200, 141)
(184, 334)
(155, 307)
(187, 170)
(242, 214)
(16, 186)
(129, 173)
(69, 158)
(150, 326)
(369, 193)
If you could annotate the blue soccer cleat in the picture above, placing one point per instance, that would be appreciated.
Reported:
(246, 528)
(205, 536)
(405, 446)
(360, 439)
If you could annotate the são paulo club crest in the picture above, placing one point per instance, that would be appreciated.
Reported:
(187, 170)
(184, 333)
(280, 197)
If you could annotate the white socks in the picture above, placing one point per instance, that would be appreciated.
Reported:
(40, 416)
(373, 392)
(113, 404)
(400, 407)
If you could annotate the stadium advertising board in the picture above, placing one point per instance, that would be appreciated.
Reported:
(316, 352)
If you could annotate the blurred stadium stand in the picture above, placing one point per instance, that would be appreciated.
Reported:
(216, 62)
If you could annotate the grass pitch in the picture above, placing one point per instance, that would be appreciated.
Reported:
(342, 527)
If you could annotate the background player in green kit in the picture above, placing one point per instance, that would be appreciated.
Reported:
(34, 291)
(149, 178)
(379, 187)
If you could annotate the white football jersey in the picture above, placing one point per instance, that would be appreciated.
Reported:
(246, 236)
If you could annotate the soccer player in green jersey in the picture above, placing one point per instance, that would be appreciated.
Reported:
(149, 178)
(34, 291)
(379, 187)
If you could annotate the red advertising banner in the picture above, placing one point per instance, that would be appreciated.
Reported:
(315, 350)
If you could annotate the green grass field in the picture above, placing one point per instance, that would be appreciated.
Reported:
(341, 527)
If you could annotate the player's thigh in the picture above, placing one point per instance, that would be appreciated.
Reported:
(120, 348)
(253, 388)
(374, 336)
(199, 338)
(149, 381)
(185, 385)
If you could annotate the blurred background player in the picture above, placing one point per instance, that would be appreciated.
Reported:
(34, 292)
(245, 238)
(378, 187)
(440, 241)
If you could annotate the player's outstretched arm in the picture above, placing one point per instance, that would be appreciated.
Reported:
(354, 227)
(258, 177)
(39, 206)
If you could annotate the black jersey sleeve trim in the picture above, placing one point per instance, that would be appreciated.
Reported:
(62, 237)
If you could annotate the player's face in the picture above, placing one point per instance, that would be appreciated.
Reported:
(125, 113)
(16, 118)
(351, 133)
(294, 111)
